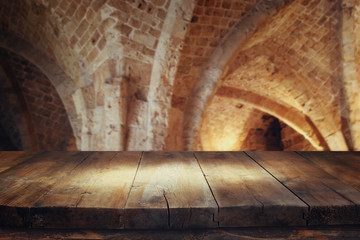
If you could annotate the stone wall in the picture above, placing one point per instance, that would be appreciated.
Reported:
(51, 125)
(266, 136)
(136, 74)
(293, 141)
(292, 66)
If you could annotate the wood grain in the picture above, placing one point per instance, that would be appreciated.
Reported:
(343, 165)
(12, 158)
(331, 201)
(170, 191)
(247, 195)
(93, 195)
(29, 181)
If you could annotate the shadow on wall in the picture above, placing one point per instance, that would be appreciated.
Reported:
(44, 124)
(6, 143)
(274, 135)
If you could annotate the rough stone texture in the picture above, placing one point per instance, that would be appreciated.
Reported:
(293, 141)
(265, 134)
(145, 74)
(225, 128)
(297, 67)
(242, 127)
(291, 64)
(51, 125)
(355, 119)
(350, 80)
(208, 80)
(210, 23)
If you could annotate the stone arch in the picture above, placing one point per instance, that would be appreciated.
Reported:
(207, 83)
(228, 50)
(59, 79)
(21, 130)
(287, 114)
(166, 61)
(136, 84)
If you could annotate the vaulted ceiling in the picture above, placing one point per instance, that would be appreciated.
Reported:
(184, 74)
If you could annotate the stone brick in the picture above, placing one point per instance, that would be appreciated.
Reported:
(297, 58)
(135, 23)
(89, 96)
(101, 44)
(94, 120)
(161, 14)
(115, 110)
(121, 16)
(112, 90)
(82, 28)
(119, 5)
(138, 72)
(114, 140)
(178, 102)
(90, 15)
(132, 139)
(92, 55)
(159, 141)
(146, 39)
(43, 102)
(123, 29)
(149, 52)
(106, 25)
(137, 114)
(71, 10)
(64, 5)
(158, 3)
(141, 139)
(96, 5)
(98, 141)
(154, 32)
(195, 30)
(159, 117)
(80, 13)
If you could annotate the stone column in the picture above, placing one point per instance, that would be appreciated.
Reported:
(350, 111)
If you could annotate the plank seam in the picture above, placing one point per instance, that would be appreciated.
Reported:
(59, 180)
(212, 193)
(281, 184)
(86, 190)
(168, 208)
(132, 184)
(325, 185)
(38, 154)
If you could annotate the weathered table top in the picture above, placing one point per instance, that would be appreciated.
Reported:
(177, 190)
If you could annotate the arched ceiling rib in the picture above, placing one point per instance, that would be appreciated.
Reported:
(208, 80)
(131, 72)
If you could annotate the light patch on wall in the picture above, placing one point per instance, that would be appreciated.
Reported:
(223, 125)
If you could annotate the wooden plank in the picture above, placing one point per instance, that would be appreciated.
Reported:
(12, 158)
(342, 165)
(92, 196)
(330, 200)
(28, 181)
(247, 195)
(170, 191)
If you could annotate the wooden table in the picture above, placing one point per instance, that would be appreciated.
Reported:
(178, 190)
